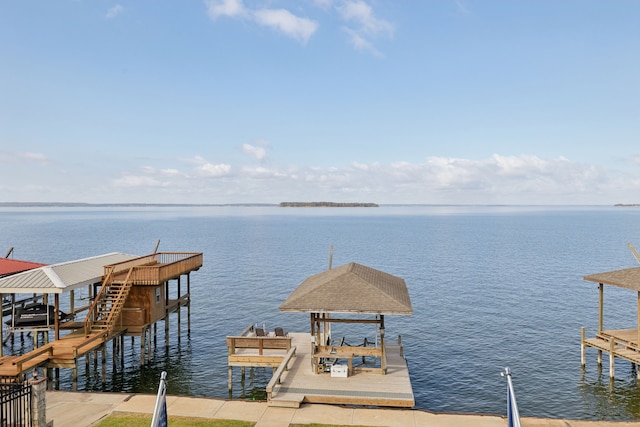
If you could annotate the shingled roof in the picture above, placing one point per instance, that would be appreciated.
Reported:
(628, 278)
(351, 288)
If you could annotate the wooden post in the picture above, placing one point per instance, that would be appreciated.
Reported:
(104, 363)
(179, 307)
(56, 318)
(122, 350)
(583, 361)
(638, 320)
(383, 354)
(230, 382)
(166, 328)
(143, 337)
(189, 305)
(600, 308)
(612, 345)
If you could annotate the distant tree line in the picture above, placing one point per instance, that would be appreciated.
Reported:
(326, 205)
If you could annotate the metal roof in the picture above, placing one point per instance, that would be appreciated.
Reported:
(351, 288)
(12, 266)
(628, 278)
(62, 277)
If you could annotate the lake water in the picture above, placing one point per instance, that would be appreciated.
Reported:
(491, 287)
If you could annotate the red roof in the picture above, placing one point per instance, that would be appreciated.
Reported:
(12, 266)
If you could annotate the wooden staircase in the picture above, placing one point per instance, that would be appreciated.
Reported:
(107, 306)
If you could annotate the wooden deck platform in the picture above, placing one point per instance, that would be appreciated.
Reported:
(300, 384)
(62, 353)
(621, 343)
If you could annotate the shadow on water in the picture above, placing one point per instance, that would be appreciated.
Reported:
(606, 398)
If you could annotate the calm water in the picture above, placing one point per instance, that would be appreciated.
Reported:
(490, 286)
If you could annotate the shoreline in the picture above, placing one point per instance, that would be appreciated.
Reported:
(87, 408)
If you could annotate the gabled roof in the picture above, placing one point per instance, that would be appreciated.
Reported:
(351, 288)
(628, 278)
(12, 266)
(62, 277)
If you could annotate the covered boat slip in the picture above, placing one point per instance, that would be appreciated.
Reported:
(127, 296)
(294, 383)
(621, 343)
(317, 368)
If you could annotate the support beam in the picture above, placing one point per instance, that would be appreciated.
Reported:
(600, 308)
(583, 360)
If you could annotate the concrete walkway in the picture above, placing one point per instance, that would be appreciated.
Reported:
(81, 409)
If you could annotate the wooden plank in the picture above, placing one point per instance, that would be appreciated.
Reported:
(362, 388)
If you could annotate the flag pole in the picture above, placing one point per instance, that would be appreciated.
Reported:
(513, 415)
(160, 411)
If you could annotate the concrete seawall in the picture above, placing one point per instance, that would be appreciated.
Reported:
(81, 409)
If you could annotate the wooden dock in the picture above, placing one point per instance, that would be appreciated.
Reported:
(295, 381)
(621, 343)
(134, 295)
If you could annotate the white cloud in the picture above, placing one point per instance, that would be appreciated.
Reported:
(257, 153)
(213, 170)
(23, 157)
(280, 20)
(293, 26)
(360, 43)
(366, 25)
(362, 14)
(131, 181)
(114, 11)
(497, 179)
(230, 8)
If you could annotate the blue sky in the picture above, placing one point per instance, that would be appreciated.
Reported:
(237, 101)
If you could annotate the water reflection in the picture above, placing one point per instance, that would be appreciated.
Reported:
(606, 398)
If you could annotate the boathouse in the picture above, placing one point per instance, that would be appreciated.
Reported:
(618, 343)
(352, 289)
(316, 368)
(126, 295)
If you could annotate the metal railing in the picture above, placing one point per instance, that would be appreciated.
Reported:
(15, 404)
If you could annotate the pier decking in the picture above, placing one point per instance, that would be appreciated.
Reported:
(134, 295)
(621, 343)
(294, 382)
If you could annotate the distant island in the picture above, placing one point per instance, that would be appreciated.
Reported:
(626, 205)
(326, 205)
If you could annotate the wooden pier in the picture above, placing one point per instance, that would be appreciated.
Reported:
(131, 298)
(621, 343)
(294, 383)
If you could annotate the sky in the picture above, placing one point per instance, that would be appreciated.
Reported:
(265, 101)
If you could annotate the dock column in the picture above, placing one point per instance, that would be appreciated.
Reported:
(189, 305)
(230, 384)
(166, 329)
(179, 307)
(612, 345)
(143, 337)
(583, 361)
(104, 363)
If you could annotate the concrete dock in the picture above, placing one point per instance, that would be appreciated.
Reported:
(82, 409)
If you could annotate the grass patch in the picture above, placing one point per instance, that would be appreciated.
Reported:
(144, 420)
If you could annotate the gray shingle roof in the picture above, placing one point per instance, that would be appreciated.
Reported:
(628, 278)
(351, 288)
(62, 277)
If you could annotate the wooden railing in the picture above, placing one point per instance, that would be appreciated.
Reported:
(259, 343)
(158, 268)
(284, 366)
(33, 358)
